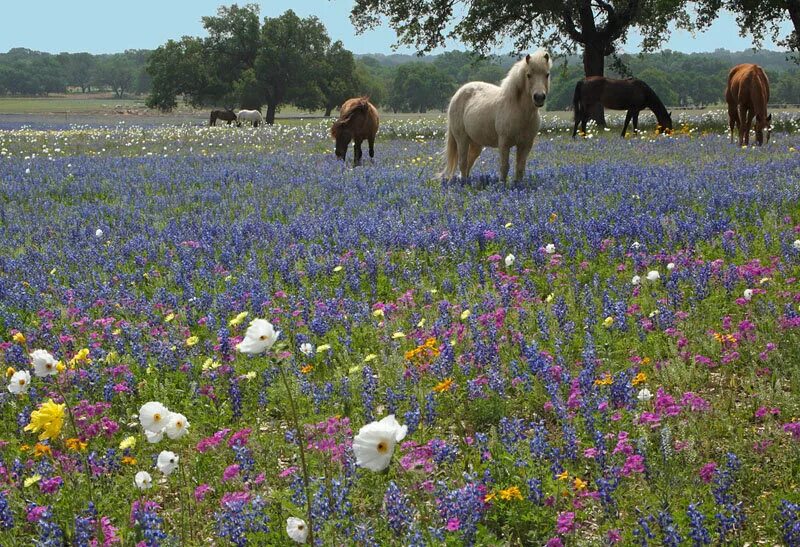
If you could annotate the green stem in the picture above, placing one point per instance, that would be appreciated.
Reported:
(301, 443)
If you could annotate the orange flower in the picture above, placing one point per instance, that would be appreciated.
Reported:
(443, 386)
(606, 380)
(511, 493)
(489, 497)
(40, 450)
(579, 484)
(639, 379)
(306, 369)
(75, 444)
(129, 460)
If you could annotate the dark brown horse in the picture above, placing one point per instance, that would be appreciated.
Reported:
(747, 95)
(631, 94)
(227, 115)
(358, 121)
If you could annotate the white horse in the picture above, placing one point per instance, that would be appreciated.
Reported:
(482, 114)
(253, 116)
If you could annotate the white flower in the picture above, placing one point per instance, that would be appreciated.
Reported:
(510, 260)
(636, 280)
(635, 245)
(644, 395)
(177, 426)
(259, 337)
(748, 294)
(306, 349)
(98, 233)
(297, 529)
(796, 244)
(375, 442)
(154, 416)
(670, 266)
(143, 480)
(167, 462)
(19, 382)
(653, 275)
(154, 438)
(44, 364)
(550, 248)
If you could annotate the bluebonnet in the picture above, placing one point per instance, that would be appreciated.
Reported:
(698, 532)
(6, 514)
(399, 512)
(789, 521)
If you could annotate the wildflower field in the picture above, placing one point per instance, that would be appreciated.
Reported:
(221, 336)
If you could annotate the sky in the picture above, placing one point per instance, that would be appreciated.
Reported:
(96, 27)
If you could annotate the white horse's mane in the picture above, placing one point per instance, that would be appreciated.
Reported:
(515, 79)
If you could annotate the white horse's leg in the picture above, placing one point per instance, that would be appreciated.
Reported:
(505, 149)
(474, 152)
(523, 150)
(463, 157)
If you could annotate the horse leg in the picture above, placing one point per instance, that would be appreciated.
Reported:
(371, 141)
(628, 117)
(472, 155)
(744, 126)
(636, 122)
(357, 153)
(463, 157)
(733, 118)
(505, 149)
(584, 121)
(521, 160)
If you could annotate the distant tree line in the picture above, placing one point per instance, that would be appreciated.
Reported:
(32, 73)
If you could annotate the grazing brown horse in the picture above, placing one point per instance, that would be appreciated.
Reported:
(747, 96)
(358, 121)
(631, 94)
(227, 115)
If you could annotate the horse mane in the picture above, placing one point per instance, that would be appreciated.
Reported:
(350, 109)
(514, 81)
(654, 102)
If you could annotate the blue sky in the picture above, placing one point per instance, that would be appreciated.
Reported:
(96, 27)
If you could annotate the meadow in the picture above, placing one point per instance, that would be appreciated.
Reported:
(606, 354)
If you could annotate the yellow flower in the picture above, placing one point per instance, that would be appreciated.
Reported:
(19, 338)
(169, 318)
(606, 380)
(489, 497)
(128, 460)
(549, 298)
(75, 444)
(369, 357)
(511, 493)
(563, 476)
(645, 361)
(192, 340)
(306, 369)
(398, 334)
(639, 379)
(81, 356)
(49, 419)
(421, 323)
(465, 314)
(10, 372)
(443, 386)
(60, 366)
(40, 450)
(211, 364)
(238, 319)
(250, 375)
(579, 484)
(128, 442)
(553, 217)
(378, 313)
(112, 357)
(608, 321)
(30, 481)
(337, 269)
(509, 224)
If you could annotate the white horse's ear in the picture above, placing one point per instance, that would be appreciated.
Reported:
(528, 58)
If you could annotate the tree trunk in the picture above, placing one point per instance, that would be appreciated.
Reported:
(271, 108)
(594, 65)
(328, 110)
(793, 6)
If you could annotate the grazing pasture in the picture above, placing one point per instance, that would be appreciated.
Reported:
(608, 353)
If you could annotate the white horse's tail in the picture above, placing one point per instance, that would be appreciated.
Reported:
(450, 153)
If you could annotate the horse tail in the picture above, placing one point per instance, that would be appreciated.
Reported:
(450, 153)
(577, 102)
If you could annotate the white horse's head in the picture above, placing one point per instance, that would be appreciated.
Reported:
(533, 76)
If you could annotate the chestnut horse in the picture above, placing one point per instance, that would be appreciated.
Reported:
(747, 95)
(631, 94)
(227, 115)
(357, 121)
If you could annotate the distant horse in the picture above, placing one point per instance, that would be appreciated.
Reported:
(226, 115)
(357, 121)
(631, 94)
(747, 95)
(482, 114)
(252, 116)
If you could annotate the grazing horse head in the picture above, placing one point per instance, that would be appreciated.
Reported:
(532, 78)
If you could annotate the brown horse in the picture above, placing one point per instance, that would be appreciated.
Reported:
(227, 115)
(747, 95)
(595, 92)
(358, 121)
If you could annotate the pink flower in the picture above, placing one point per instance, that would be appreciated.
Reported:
(614, 536)
(794, 429)
(634, 464)
(554, 542)
(230, 472)
(453, 525)
(565, 523)
(707, 472)
(201, 491)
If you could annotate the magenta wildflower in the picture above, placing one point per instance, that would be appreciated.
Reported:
(794, 429)
(201, 491)
(230, 472)
(565, 523)
(707, 472)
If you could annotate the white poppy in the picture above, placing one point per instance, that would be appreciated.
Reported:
(167, 462)
(44, 364)
(177, 426)
(796, 244)
(306, 349)
(635, 245)
(375, 442)
(143, 480)
(154, 438)
(644, 395)
(653, 275)
(510, 260)
(98, 233)
(260, 336)
(154, 416)
(670, 266)
(550, 248)
(19, 382)
(636, 280)
(297, 529)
